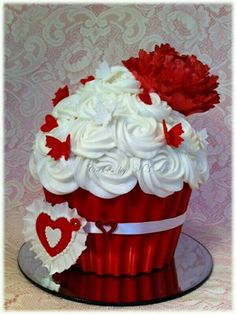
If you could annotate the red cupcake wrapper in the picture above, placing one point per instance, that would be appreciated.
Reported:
(127, 254)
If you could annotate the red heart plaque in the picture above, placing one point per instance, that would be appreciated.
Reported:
(66, 228)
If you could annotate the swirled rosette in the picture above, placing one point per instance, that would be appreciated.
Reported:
(123, 114)
(56, 234)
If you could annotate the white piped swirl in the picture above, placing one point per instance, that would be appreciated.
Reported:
(118, 141)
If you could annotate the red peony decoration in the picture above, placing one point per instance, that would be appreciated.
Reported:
(50, 123)
(87, 79)
(173, 135)
(60, 94)
(58, 148)
(183, 81)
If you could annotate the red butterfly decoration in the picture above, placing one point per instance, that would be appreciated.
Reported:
(87, 79)
(58, 148)
(60, 94)
(50, 123)
(173, 135)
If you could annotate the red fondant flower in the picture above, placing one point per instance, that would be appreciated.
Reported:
(58, 148)
(50, 123)
(75, 224)
(183, 81)
(173, 135)
(60, 94)
(87, 79)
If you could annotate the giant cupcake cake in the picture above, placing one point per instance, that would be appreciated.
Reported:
(118, 160)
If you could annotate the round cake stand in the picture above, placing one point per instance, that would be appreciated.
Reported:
(190, 268)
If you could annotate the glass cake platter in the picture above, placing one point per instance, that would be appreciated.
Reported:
(190, 268)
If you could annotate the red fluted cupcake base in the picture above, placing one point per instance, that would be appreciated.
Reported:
(126, 254)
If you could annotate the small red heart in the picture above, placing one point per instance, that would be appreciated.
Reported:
(43, 221)
(50, 123)
(102, 223)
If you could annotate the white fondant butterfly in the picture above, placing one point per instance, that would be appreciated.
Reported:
(203, 136)
(103, 114)
(103, 71)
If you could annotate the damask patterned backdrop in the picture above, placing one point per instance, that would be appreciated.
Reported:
(48, 46)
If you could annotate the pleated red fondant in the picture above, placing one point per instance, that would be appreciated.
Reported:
(126, 254)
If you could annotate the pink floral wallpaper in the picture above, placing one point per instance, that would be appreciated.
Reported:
(48, 46)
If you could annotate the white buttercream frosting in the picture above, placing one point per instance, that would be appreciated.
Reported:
(118, 141)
